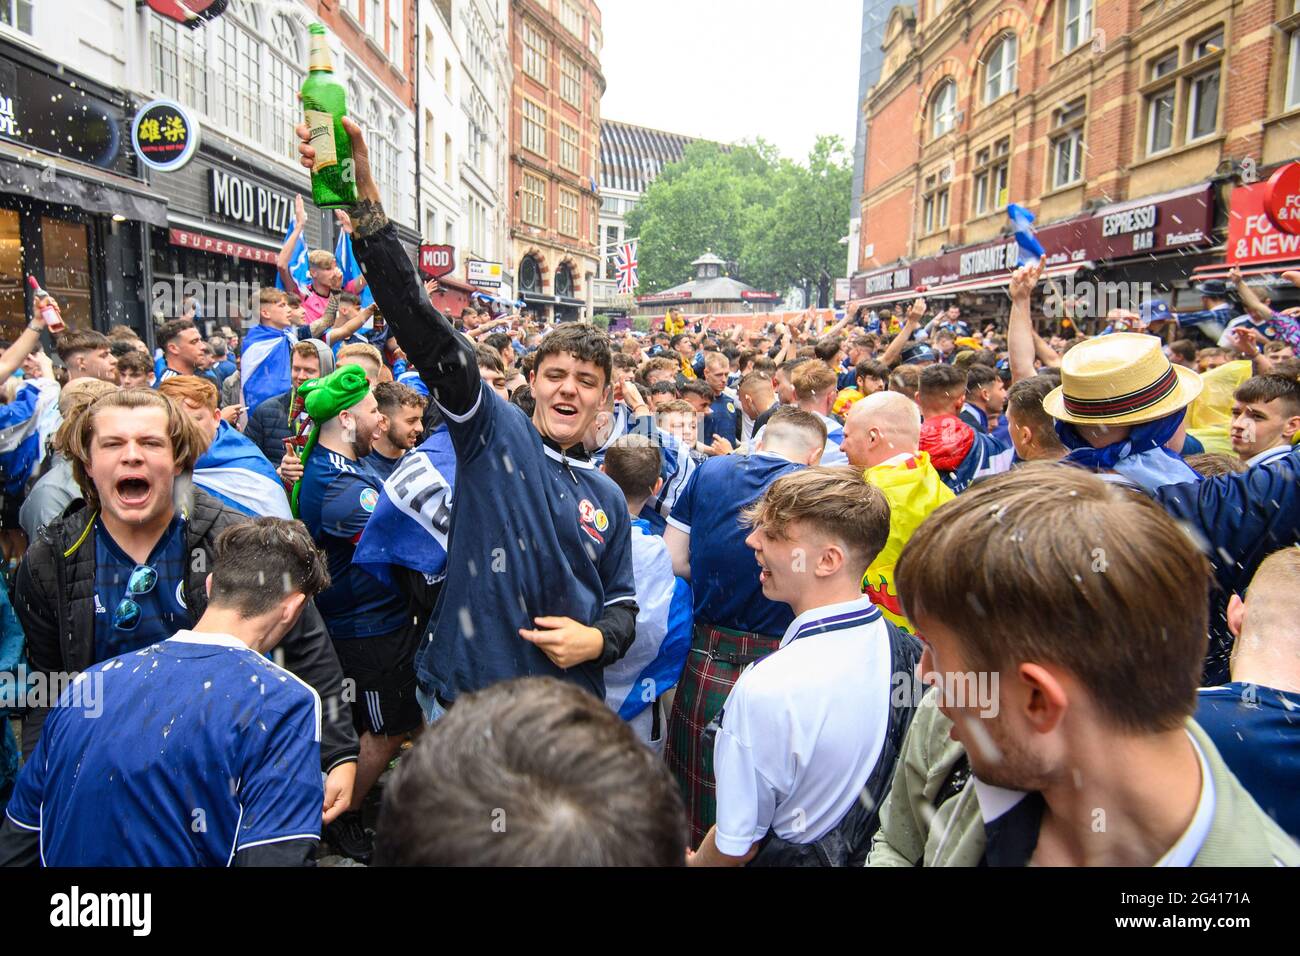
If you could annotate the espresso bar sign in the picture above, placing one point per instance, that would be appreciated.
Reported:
(238, 200)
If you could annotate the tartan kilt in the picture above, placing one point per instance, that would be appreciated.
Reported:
(717, 657)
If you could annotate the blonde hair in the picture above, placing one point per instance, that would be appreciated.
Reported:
(358, 350)
(811, 378)
(186, 441)
(76, 397)
(321, 259)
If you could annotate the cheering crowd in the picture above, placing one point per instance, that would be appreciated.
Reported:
(891, 592)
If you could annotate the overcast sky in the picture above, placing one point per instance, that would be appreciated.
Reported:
(734, 69)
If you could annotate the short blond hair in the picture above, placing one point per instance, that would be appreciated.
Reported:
(76, 397)
(812, 378)
(321, 259)
(358, 350)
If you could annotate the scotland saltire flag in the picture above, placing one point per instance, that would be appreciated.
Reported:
(297, 264)
(350, 268)
(664, 621)
(413, 515)
(1031, 250)
(625, 265)
(264, 365)
(235, 470)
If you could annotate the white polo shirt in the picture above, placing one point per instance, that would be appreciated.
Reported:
(803, 728)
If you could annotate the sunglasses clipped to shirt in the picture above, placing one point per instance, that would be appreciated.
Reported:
(142, 580)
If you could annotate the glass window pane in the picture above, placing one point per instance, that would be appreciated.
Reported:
(13, 318)
(67, 268)
(1293, 71)
(1205, 105)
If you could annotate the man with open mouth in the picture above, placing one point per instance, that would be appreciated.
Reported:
(126, 568)
(540, 580)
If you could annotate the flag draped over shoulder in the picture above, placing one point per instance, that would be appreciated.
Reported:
(297, 263)
(913, 489)
(264, 364)
(235, 470)
(350, 268)
(413, 515)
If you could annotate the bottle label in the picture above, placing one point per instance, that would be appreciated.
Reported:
(319, 58)
(321, 127)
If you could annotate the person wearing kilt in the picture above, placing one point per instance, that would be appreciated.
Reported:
(735, 625)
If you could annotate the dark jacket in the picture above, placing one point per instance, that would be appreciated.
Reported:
(1243, 519)
(55, 600)
(268, 426)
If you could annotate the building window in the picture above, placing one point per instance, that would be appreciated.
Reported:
(568, 213)
(180, 64)
(564, 281)
(992, 174)
(374, 24)
(449, 236)
(571, 18)
(1077, 28)
(428, 50)
(534, 131)
(1000, 69)
(571, 81)
(240, 74)
(612, 241)
(430, 226)
(430, 141)
(446, 77)
(534, 211)
(395, 31)
(934, 203)
(446, 157)
(569, 147)
(1293, 66)
(1160, 105)
(1067, 144)
(943, 109)
(530, 274)
(1203, 88)
(17, 14)
(594, 41)
(536, 51)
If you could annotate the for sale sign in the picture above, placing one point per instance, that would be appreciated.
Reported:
(437, 261)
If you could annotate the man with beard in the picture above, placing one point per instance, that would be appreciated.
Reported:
(368, 622)
(402, 408)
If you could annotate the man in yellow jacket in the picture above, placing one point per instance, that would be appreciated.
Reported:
(881, 435)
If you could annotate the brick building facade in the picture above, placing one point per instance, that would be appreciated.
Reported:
(554, 150)
(1111, 116)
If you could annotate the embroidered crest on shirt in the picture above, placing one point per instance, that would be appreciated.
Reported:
(592, 521)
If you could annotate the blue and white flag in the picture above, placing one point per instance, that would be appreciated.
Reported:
(20, 436)
(1031, 250)
(664, 620)
(350, 268)
(413, 515)
(411, 378)
(264, 364)
(235, 470)
(298, 267)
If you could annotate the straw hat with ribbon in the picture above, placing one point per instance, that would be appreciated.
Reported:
(1120, 379)
(324, 398)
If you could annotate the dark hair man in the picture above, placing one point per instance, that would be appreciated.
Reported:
(201, 750)
(1070, 766)
(1032, 430)
(531, 772)
(986, 397)
(1265, 418)
(134, 370)
(734, 622)
(827, 694)
(564, 605)
(86, 354)
(183, 348)
(870, 376)
(403, 410)
(958, 452)
(128, 568)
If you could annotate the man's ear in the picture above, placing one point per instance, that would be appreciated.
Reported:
(659, 483)
(1291, 427)
(207, 584)
(291, 607)
(1236, 614)
(1047, 700)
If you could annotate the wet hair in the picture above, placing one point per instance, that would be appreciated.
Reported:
(76, 341)
(531, 772)
(259, 562)
(1267, 388)
(586, 343)
(390, 396)
(633, 462)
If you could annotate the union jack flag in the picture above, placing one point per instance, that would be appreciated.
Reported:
(625, 264)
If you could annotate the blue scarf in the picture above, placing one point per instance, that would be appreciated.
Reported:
(1141, 457)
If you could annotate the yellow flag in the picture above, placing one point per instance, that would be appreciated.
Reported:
(913, 489)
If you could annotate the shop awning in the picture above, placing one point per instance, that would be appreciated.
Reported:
(62, 182)
(968, 285)
(1220, 270)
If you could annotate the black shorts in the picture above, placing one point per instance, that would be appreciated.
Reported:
(381, 670)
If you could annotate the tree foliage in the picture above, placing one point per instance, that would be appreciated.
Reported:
(778, 222)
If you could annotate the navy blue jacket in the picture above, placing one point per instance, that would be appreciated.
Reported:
(1244, 518)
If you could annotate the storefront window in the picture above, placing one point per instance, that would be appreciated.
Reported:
(13, 316)
(64, 245)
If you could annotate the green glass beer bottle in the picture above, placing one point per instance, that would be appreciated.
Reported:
(324, 103)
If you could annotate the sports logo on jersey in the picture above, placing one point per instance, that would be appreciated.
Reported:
(369, 498)
(731, 408)
(180, 594)
(592, 521)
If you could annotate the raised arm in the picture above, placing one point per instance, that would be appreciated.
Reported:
(1248, 297)
(26, 343)
(1020, 330)
(914, 315)
(446, 361)
(285, 256)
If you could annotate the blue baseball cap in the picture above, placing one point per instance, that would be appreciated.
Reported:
(1156, 310)
(918, 353)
